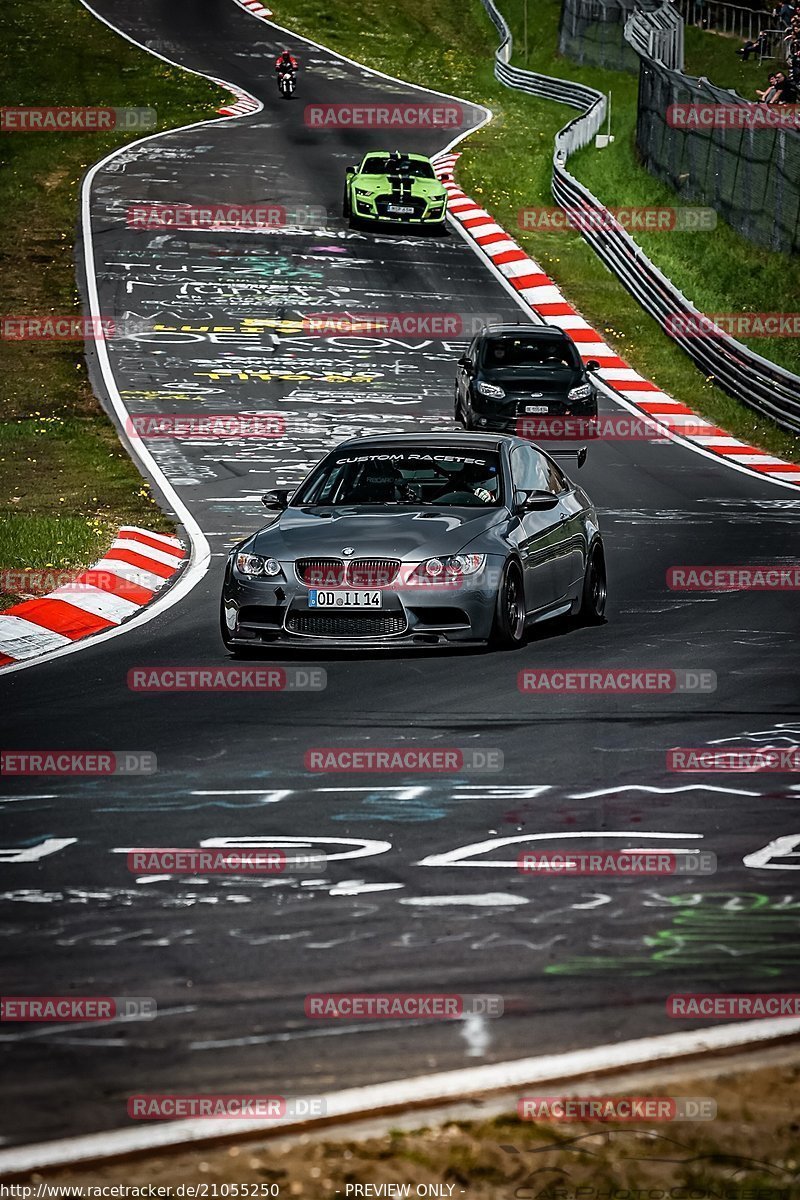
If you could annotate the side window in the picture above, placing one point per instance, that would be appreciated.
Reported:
(529, 470)
(557, 480)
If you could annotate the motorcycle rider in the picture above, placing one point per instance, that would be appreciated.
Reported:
(285, 62)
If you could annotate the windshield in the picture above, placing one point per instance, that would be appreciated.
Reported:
(379, 164)
(407, 478)
(535, 354)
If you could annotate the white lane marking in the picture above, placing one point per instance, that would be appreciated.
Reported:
(781, 847)
(29, 854)
(421, 1090)
(354, 887)
(361, 847)
(456, 858)
(480, 900)
(661, 791)
(26, 1035)
(22, 639)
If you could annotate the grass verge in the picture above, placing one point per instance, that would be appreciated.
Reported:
(66, 484)
(507, 165)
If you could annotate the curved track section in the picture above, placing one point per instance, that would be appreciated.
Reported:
(420, 893)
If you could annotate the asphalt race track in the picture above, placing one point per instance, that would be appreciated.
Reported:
(228, 959)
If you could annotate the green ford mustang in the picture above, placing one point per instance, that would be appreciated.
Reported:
(402, 188)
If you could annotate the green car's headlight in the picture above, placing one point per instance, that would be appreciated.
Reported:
(363, 192)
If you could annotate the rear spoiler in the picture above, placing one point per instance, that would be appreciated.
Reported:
(579, 454)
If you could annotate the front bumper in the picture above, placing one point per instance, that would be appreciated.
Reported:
(512, 418)
(368, 210)
(269, 612)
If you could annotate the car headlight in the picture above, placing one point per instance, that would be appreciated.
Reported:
(580, 393)
(491, 390)
(363, 192)
(254, 564)
(451, 567)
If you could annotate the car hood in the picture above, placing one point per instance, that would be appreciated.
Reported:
(408, 534)
(427, 188)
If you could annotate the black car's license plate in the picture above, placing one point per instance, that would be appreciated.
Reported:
(336, 599)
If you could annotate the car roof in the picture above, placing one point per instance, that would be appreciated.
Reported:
(435, 441)
(535, 331)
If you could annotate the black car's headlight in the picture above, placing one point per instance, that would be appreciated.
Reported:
(491, 390)
(257, 566)
(450, 567)
(580, 393)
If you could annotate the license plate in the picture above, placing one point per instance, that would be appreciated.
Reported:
(400, 209)
(537, 408)
(319, 599)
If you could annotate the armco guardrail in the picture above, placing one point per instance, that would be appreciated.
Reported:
(743, 374)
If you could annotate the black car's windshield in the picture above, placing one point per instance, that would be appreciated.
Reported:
(407, 477)
(534, 354)
(380, 164)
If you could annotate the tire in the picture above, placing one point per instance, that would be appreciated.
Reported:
(508, 631)
(346, 210)
(595, 587)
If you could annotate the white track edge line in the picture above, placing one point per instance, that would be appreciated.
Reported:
(354, 1103)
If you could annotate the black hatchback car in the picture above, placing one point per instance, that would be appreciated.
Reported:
(511, 372)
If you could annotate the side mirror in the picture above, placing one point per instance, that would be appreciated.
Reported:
(350, 170)
(593, 365)
(276, 501)
(465, 362)
(534, 501)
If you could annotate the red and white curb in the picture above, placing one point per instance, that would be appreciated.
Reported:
(255, 7)
(244, 102)
(137, 565)
(541, 294)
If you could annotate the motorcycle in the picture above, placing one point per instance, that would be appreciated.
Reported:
(287, 82)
